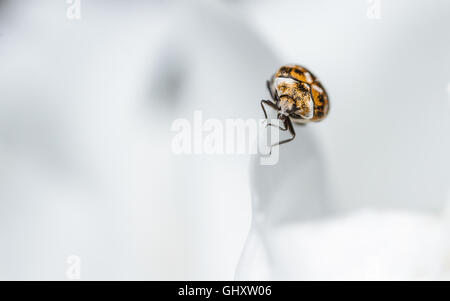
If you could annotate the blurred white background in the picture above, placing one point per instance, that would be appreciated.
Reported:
(86, 166)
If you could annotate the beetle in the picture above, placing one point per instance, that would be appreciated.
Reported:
(297, 96)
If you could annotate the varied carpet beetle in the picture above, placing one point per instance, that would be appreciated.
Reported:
(297, 96)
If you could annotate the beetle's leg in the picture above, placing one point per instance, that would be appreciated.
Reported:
(288, 125)
(269, 103)
(273, 106)
(285, 128)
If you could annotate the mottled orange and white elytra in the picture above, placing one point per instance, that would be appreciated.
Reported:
(298, 94)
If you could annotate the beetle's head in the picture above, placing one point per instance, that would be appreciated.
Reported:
(286, 106)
